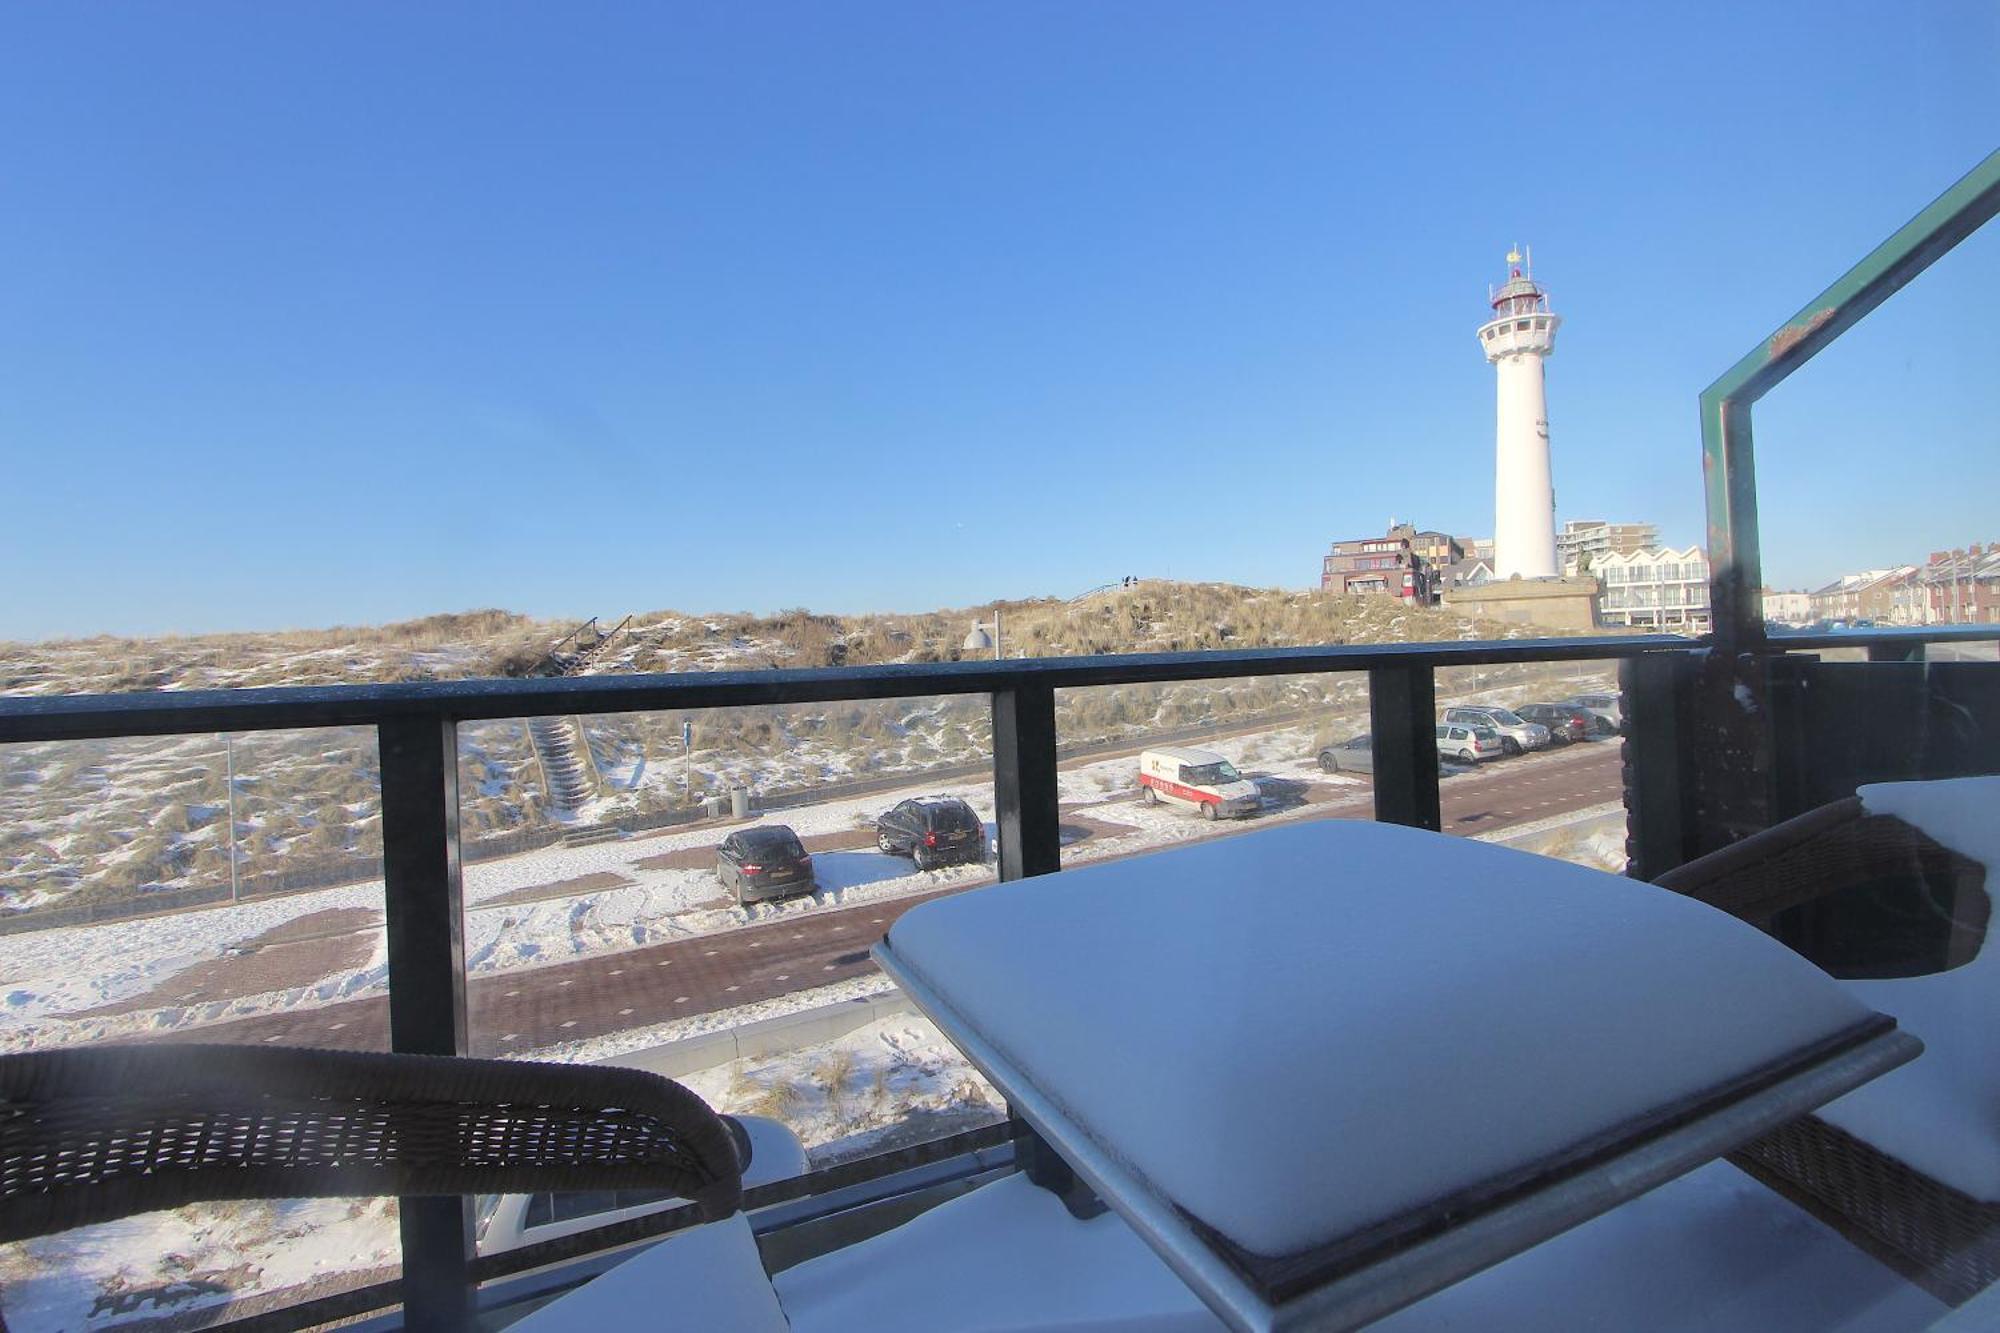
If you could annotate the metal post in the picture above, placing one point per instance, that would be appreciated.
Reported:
(424, 902)
(229, 744)
(1024, 781)
(1650, 754)
(1402, 711)
(1728, 457)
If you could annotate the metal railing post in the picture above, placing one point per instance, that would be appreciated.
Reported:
(1650, 760)
(1024, 780)
(1402, 712)
(1736, 570)
(424, 903)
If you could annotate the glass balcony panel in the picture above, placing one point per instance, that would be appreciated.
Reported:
(1283, 738)
(181, 889)
(675, 890)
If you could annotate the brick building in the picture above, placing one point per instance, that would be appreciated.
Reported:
(1961, 587)
(1395, 563)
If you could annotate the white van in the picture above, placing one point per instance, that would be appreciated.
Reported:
(1199, 778)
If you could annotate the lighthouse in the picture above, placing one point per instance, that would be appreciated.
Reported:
(1517, 340)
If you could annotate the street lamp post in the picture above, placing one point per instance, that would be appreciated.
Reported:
(977, 640)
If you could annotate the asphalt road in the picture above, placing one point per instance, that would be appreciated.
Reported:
(532, 1008)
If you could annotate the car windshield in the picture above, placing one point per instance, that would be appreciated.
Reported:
(1358, 743)
(772, 842)
(1505, 717)
(1223, 771)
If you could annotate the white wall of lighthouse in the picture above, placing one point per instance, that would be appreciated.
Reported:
(1518, 341)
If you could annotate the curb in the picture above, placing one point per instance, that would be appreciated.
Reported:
(1550, 825)
(808, 1027)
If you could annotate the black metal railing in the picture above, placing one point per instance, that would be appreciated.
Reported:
(417, 724)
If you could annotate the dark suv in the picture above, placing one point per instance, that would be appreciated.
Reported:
(932, 831)
(764, 862)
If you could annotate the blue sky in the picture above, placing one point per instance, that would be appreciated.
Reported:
(337, 313)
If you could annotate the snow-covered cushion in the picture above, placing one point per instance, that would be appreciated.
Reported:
(1298, 1032)
(708, 1277)
(1008, 1256)
(1940, 1114)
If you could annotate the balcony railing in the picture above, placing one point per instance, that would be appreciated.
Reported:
(416, 726)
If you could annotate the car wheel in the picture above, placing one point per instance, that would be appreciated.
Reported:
(1467, 757)
(1148, 795)
(1508, 745)
(920, 858)
(882, 841)
(1209, 809)
(1327, 763)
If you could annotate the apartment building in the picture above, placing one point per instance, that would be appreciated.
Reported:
(1961, 587)
(1872, 594)
(1788, 608)
(1583, 541)
(1659, 588)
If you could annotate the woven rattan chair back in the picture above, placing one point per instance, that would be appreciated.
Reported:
(1840, 885)
(98, 1133)
(1938, 1237)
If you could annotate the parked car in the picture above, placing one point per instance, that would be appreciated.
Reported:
(1200, 779)
(1517, 734)
(1356, 754)
(764, 862)
(1566, 722)
(1468, 745)
(1606, 706)
(932, 831)
(510, 1221)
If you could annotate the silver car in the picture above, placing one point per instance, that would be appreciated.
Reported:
(1607, 706)
(1467, 744)
(1517, 734)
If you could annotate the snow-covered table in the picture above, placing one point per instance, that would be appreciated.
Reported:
(1329, 1068)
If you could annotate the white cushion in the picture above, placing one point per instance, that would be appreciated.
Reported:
(1007, 1256)
(1712, 1252)
(708, 1278)
(1940, 1114)
(1301, 1031)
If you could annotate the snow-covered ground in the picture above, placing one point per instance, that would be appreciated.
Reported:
(841, 1096)
(49, 976)
(521, 911)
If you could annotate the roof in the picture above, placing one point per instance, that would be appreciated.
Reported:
(1651, 555)
(1183, 755)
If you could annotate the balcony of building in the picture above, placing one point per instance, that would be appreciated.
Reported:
(1721, 738)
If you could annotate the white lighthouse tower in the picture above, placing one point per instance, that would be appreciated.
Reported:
(1517, 340)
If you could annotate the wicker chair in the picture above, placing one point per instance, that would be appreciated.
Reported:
(1841, 857)
(95, 1134)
